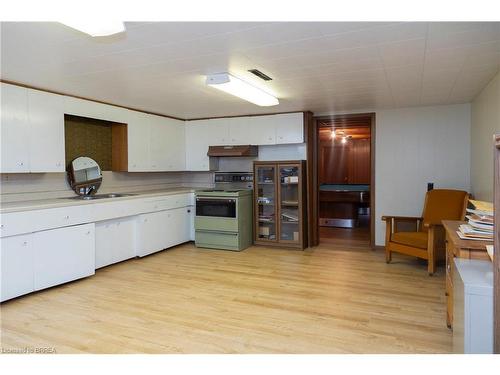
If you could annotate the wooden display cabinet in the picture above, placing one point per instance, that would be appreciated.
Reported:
(279, 203)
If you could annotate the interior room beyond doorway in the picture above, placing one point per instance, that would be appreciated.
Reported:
(345, 179)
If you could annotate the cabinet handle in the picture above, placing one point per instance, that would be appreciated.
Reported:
(66, 217)
(25, 243)
(189, 211)
(1, 226)
(21, 163)
(88, 232)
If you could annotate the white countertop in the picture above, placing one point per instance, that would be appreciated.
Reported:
(41, 204)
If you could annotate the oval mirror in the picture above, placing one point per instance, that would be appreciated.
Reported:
(84, 175)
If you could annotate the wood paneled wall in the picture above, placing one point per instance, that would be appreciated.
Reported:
(345, 163)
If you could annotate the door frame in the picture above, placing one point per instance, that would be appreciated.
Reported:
(312, 142)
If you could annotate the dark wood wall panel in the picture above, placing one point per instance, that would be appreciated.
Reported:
(345, 163)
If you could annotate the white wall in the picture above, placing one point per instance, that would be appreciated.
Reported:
(485, 123)
(415, 146)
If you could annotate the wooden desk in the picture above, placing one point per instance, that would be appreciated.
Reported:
(456, 247)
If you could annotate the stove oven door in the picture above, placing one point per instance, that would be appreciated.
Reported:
(214, 213)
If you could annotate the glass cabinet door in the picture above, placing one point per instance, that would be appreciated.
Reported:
(265, 185)
(289, 204)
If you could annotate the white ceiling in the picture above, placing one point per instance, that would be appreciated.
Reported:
(318, 66)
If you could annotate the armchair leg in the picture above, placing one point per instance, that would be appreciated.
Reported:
(388, 255)
(431, 263)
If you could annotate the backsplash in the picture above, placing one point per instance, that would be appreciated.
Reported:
(31, 186)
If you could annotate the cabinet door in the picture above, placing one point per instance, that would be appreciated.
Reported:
(175, 145)
(191, 211)
(289, 127)
(114, 241)
(262, 130)
(63, 255)
(179, 229)
(266, 202)
(138, 139)
(152, 233)
(220, 131)
(239, 131)
(159, 141)
(199, 135)
(17, 266)
(14, 129)
(46, 122)
(91, 109)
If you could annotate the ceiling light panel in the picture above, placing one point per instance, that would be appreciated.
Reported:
(237, 87)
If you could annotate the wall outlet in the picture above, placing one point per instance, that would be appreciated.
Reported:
(430, 186)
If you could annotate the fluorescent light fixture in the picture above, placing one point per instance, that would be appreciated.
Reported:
(97, 27)
(237, 87)
(333, 135)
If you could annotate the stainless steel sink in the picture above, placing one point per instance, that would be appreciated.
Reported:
(101, 196)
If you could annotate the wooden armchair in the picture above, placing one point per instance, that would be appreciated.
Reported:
(423, 237)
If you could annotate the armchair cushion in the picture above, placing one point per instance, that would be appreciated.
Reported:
(415, 239)
(444, 204)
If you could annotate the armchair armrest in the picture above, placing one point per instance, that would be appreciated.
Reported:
(402, 218)
(432, 225)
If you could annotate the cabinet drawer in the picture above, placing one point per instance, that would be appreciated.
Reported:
(38, 220)
(168, 203)
(221, 240)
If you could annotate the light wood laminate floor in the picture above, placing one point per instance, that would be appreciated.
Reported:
(261, 300)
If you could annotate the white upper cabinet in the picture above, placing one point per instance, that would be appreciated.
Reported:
(199, 135)
(155, 143)
(14, 129)
(32, 131)
(91, 109)
(46, 140)
(289, 127)
(257, 130)
(138, 140)
(220, 131)
(167, 144)
(175, 144)
(158, 141)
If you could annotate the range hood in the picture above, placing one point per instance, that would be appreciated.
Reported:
(243, 150)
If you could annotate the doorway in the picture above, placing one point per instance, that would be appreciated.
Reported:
(345, 179)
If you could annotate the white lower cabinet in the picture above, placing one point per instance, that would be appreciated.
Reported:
(152, 232)
(35, 257)
(17, 266)
(64, 254)
(179, 230)
(191, 212)
(114, 241)
(159, 230)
